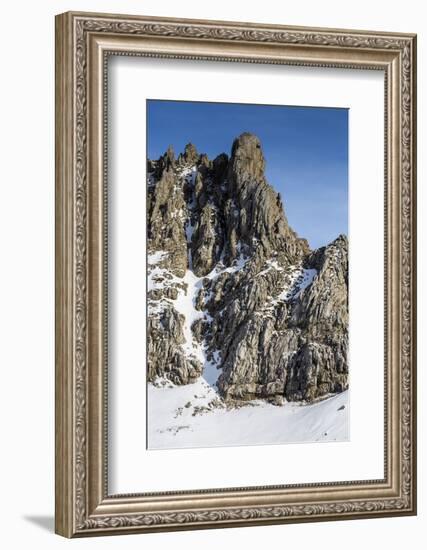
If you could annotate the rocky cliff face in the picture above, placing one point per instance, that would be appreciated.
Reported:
(233, 293)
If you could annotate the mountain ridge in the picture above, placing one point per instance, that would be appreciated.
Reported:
(232, 288)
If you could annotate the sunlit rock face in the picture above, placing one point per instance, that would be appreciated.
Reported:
(231, 284)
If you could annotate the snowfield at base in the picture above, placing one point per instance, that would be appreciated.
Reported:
(173, 423)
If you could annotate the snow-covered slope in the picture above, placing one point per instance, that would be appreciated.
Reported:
(191, 416)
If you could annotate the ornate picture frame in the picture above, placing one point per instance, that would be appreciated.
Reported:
(84, 42)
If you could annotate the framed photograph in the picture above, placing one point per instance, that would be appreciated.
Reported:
(235, 274)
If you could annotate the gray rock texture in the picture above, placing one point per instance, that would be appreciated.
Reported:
(233, 289)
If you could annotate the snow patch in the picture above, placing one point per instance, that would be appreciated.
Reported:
(298, 279)
(156, 257)
(190, 416)
(185, 305)
(308, 276)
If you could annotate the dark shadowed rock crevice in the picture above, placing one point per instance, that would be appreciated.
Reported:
(231, 285)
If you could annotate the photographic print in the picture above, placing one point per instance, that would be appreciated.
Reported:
(247, 274)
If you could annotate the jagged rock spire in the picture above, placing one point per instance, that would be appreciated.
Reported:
(272, 311)
(170, 155)
(261, 218)
(247, 161)
(191, 155)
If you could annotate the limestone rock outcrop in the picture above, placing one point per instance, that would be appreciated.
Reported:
(232, 287)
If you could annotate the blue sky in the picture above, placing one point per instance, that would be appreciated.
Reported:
(306, 152)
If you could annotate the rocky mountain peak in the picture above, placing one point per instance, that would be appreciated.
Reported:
(233, 288)
(247, 161)
(191, 155)
(170, 155)
(260, 221)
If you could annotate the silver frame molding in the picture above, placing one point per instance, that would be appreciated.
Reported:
(83, 43)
